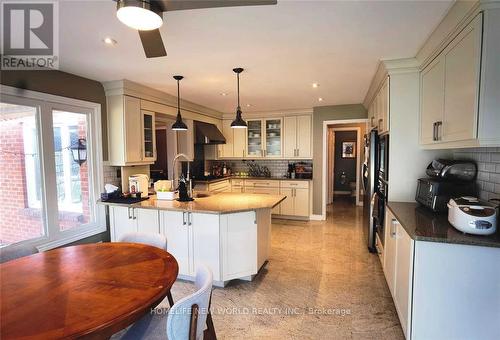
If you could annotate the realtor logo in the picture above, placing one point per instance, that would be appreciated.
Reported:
(29, 35)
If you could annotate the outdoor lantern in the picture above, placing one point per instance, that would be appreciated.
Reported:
(79, 151)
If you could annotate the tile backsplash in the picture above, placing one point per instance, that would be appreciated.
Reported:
(111, 175)
(278, 167)
(488, 163)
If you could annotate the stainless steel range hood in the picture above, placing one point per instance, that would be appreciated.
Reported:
(206, 133)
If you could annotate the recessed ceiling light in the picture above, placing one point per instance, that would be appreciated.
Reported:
(223, 94)
(248, 105)
(320, 99)
(109, 41)
(315, 85)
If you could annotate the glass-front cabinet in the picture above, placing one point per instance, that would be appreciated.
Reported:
(254, 138)
(148, 135)
(273, 137)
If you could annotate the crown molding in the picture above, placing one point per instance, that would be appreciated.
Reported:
(130, 88)
(273, 113)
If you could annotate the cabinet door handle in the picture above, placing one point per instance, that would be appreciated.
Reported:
(438, 125)
(183, 218)
(190, 215)
(133, 214)
(434, 131)
(129, 217)
(393, 228)
(371, 121)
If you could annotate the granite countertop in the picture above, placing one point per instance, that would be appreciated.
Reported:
(221, 203)
(422, 224)
(215, 180)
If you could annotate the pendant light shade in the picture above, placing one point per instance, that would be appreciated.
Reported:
(142, 15)
(179, 125)
(238, 122)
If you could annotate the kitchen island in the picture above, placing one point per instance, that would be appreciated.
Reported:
(229, 232)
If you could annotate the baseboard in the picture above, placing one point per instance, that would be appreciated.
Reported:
(317, 218)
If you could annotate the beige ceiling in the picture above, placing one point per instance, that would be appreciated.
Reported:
(284, 49)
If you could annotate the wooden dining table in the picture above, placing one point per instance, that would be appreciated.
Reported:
(85, 291)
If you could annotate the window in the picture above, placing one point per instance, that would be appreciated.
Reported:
(20, 186)
(48, 197)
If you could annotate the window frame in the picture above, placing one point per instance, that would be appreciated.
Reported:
(46, 103)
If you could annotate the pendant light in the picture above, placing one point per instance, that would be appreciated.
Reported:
(238, 123)
(143, 15)
(179, 125)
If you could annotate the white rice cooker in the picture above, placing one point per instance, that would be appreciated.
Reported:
(472, 216)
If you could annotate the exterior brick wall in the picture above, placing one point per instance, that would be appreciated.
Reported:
(18, 221)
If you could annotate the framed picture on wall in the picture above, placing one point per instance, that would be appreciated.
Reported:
(348, 149)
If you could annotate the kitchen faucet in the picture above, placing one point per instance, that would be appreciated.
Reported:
(181, 155)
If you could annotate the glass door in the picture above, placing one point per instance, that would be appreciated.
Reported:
(254, 138)
(148, 135)
(273, 137)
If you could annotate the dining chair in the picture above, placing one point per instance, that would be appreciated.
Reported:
(9, 253)
(186, 320)
(152, 239)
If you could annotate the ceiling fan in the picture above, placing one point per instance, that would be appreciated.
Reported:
(146, 17)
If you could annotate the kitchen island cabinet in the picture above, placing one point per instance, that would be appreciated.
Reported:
(228, 232)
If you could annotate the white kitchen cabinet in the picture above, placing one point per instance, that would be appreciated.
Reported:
(192, 238)
(127, 219)
(404, 277)
(226, 150)
(148, 136)
(432, 100)
(255, 132)
(267, 191)
(273, 138)
(237, 185)
(462, 66)
(176, 230)
(238, 238)
(239, 143)
(130, 132)
(287, 207)
(459, 88)
(205, 242)
(390, 252)
(378, 111)
(398, 268)
(185, 139)
(220, 186)
(297, 137)
(297, 198)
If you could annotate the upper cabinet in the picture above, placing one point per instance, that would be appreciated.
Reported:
(297, 137)
(131, 132)
(268, 138)
(236, 141)
(255, 138)
(459, 89)
(378, 111)
(272, 138)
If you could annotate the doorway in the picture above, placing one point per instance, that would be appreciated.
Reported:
(344, 160)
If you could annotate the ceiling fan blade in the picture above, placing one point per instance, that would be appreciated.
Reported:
(179, 5)
(152, 43)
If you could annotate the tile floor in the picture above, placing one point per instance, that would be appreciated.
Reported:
(320, 283)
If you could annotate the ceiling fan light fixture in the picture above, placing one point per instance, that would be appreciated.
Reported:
(141, 15)
(179, 125)
(238, 122)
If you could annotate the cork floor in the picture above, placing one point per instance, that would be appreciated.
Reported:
(320, 283)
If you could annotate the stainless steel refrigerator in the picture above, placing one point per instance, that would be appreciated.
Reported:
(370, 183)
